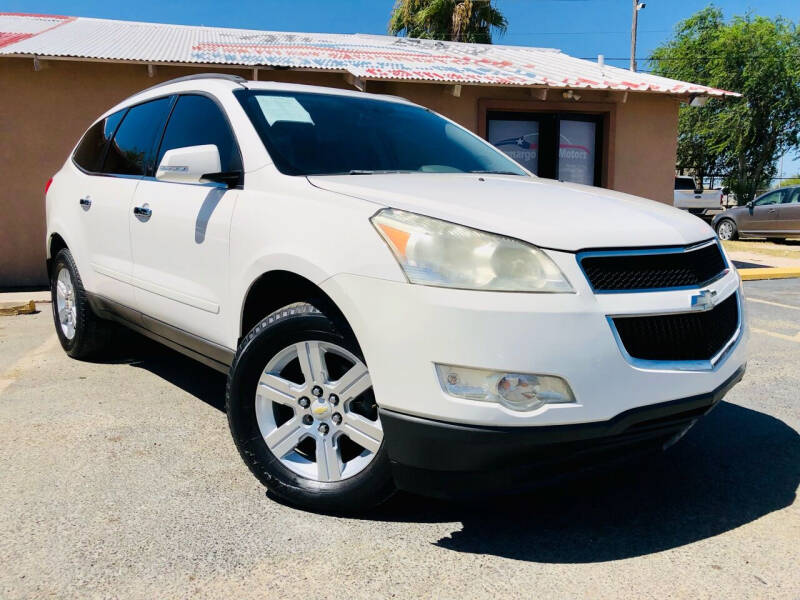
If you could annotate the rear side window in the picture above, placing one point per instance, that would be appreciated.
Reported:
(791, 196)
(684, 183)
(133, 150)
(90, 152)
(195, 121)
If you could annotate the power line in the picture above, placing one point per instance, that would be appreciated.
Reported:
(518, 33)
(689, 58)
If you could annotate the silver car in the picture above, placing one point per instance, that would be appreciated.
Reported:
(775, 214)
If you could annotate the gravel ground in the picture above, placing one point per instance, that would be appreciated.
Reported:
(119, 480)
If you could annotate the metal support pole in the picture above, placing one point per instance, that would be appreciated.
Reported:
(634, 25)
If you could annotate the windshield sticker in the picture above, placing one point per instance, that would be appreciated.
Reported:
(283, 108)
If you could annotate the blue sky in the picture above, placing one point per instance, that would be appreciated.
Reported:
(583, 28)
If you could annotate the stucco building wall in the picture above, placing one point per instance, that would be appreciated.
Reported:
(43, 113)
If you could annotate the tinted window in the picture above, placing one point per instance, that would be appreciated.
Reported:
(684, 183)
(771, 198)
(791, 196)
(132, 151)
(318, 134)
(90, 152)
(195, 121)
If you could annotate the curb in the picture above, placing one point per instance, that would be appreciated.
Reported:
(769, 273)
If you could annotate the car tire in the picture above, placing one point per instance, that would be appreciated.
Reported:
(82, 334)
(726, 230)
(299, 452)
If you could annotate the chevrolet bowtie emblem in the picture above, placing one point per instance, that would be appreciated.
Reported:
(320, 409)
(704, 300)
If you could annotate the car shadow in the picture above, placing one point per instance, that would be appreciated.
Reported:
(202, 382)
(740, 264)
(735, 466)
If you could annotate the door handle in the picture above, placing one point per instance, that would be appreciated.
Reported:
(773, 210)
(142, 211)
(86, 201)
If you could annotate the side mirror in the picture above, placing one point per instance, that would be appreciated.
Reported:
(750, 204)
(726, 191)
(189, 164)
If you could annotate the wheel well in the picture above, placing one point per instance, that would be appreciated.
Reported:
(57, 244)
(277, 289)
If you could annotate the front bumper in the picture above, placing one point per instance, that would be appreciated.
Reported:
(446, 460)
(404, 330)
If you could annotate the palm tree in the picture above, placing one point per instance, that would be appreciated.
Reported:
(454, 20)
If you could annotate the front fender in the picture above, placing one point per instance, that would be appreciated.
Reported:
(305, 231)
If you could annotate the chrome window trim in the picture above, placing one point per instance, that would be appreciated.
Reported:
(711, 364)
(579, 256)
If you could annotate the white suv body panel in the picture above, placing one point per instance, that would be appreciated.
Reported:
(98, 237)
(553, 334)
(546, 213)
(181, 256)
(193, 265)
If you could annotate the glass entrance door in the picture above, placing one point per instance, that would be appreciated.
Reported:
(565, 146)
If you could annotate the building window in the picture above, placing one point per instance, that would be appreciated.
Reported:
(565, 146)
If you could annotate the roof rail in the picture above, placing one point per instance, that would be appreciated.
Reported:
(234, 78)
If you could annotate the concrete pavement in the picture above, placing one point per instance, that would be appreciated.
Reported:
(119, 480)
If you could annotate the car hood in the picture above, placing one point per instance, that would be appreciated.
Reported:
(546, 213)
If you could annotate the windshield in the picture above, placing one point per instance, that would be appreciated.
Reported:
(321, 134)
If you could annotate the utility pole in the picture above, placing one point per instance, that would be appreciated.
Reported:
(637, 6)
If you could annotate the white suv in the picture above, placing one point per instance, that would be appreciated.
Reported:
(397, 303)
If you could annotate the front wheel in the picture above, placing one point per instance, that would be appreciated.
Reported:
(303, 414)
(726, 230)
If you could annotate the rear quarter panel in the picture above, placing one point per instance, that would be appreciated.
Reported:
(63, 218)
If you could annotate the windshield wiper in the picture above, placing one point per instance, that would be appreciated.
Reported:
(497, 172)
(377, 171)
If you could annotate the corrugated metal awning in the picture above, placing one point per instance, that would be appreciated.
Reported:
(363, 56)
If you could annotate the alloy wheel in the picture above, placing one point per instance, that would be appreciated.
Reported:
(66, 303)
(316, 411)
(725, 230)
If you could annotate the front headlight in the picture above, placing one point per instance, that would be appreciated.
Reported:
(439, 253)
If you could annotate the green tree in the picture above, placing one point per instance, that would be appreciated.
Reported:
(755, 56)
(454, 20)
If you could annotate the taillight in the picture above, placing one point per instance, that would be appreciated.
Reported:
(47, 185)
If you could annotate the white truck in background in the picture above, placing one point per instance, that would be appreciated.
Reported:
(689, 196)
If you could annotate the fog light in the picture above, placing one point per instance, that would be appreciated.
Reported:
(517, 391)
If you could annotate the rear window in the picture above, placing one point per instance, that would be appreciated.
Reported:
(684, 183)
(90, 152)
(133, 150)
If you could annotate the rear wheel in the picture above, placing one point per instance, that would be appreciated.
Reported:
(303, 414)
(726, 230)
(82, 334)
